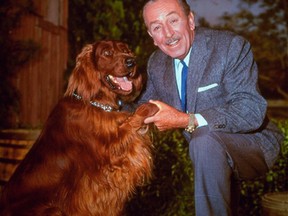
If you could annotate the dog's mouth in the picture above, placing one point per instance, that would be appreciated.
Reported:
(119, 83)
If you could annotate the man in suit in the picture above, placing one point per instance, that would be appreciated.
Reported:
(218, 104)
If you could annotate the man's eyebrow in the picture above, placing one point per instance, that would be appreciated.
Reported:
(172, 12)
(156, 21)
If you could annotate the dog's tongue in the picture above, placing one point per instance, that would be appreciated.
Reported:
(124, 83)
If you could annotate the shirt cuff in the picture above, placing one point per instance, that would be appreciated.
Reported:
(200, 119)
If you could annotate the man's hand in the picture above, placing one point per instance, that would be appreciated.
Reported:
(167, 117)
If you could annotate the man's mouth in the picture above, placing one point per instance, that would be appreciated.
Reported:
(120, 83)
(172, 41)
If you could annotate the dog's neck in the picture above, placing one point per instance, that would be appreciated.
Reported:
(105, 107)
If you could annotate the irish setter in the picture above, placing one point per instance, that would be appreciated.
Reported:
(90, 156)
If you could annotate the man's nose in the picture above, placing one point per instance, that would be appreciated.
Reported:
(168, 30)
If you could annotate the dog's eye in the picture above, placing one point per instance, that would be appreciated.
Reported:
(126, 51)
(108, 53)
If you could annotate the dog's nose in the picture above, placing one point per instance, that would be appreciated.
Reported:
(130, 62)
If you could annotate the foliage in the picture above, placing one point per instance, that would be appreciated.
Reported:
(276, 180)
(267, 32)
(91, 21)
(170, 192)
(13, 54)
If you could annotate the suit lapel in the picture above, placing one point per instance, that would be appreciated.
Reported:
(170, 84)
(197, 65)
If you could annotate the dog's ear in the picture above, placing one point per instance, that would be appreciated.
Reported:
(84, 80)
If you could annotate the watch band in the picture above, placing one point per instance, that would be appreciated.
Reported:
(191, 126)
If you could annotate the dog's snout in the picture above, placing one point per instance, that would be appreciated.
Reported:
(130, 62)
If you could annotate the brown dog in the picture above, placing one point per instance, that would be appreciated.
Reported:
(90, 156)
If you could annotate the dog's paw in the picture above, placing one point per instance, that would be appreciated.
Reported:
(136, 121)
(146, 110)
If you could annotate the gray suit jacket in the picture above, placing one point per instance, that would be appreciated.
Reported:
(221, 86)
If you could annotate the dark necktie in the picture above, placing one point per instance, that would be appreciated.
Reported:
(183, 86)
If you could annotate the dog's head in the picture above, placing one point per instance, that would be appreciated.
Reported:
(106, 71)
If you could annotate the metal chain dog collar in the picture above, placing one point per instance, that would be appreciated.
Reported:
(105, 107)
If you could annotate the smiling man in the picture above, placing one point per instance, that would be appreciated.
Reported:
(178, 28)
(205, 82)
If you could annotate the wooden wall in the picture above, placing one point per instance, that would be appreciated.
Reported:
(41, 81)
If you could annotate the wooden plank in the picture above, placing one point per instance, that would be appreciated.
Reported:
(41, 81)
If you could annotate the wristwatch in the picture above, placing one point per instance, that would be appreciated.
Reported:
(191, 126)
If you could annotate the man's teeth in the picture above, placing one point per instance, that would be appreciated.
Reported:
(173, 42)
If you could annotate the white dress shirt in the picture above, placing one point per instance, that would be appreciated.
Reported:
(178, 70)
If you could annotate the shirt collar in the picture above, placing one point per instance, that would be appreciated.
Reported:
(186, 59)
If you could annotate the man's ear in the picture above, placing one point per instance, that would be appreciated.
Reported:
(151, 37)
(191, 21)
(149, 33)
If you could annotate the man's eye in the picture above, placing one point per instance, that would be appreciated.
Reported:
(174, 21)
(156, 28)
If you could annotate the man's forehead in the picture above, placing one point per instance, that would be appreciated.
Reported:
(156, 11)
(163, 17)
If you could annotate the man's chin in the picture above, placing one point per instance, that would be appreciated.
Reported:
(174, 51)
(178, 55)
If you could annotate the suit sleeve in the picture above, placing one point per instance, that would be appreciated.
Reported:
(149, 92)
(244, 108)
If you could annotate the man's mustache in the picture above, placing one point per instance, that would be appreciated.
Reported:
(172, 40)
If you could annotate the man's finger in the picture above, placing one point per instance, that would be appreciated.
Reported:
(149, 120)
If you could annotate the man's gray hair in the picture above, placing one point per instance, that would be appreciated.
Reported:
(185, 6)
